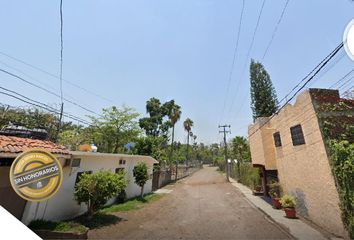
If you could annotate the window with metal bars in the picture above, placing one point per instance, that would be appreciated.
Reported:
(277, 139)
(297, 136)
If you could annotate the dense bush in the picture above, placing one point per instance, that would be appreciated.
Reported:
(247, 175)
(96, 189)
(342, 161)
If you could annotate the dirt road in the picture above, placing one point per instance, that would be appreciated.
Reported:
(202, 206)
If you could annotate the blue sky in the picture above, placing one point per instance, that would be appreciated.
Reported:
(129, 51)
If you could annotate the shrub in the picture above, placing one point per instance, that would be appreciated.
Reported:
(342, 162)
(247, 175)
(141, 176)
(274, 189)
(288, 201)
(96, 189)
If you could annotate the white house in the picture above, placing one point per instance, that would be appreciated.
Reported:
(62, 205)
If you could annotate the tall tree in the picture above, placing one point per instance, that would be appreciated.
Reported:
(174, 114)
(188, 124)
(264, 101)
(154, 125)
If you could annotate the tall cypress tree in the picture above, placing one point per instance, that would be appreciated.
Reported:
(264, 100)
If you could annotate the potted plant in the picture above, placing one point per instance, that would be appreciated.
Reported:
(288, 203)
(274, 192)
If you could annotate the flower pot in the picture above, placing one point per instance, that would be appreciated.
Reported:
(290, 212)
(276, 203)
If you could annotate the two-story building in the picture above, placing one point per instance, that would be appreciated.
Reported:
(291, 144)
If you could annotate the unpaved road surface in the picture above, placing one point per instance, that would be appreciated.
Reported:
(202, 206)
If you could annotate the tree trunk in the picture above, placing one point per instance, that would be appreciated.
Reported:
(142, 192)
(187, 149)
(171, 151)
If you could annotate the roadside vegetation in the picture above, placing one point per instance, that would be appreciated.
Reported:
(132, 204)
(72, 227)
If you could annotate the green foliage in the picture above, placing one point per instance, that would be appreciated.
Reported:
(32, 118)
(240, 149)
(96, 189)
(287, 201)
(151, 146)
(115, 128)
(342, 162)
(155, 125)
(141, 175)
(247, 175)
(275, 189)
(132, 204)
(263, 96)
(71, 227)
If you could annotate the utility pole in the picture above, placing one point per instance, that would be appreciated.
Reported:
(224, 131)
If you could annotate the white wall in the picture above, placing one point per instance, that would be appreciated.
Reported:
(63, 206)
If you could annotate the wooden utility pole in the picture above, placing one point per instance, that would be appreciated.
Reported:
(224, 131)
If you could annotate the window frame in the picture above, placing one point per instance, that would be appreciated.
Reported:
(277, 139)
(297, 135)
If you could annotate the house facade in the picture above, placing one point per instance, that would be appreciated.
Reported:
(292, 144)
(63, 205)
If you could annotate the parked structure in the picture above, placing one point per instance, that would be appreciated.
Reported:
(291, 143)
(62, 205)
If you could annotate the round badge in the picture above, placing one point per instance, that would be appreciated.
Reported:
(36, 175)
(348, 39)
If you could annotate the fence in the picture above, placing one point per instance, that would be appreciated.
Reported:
(162, 177)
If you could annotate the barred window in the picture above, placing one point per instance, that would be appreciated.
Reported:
(297, 135)
(277, 139)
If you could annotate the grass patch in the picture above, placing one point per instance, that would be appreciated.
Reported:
(71, 227)
(131, 204)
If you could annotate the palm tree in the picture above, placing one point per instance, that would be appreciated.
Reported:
(188, 124)
(174, 115)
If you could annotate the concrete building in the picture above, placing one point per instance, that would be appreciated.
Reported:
(62, 205)
(291, 144)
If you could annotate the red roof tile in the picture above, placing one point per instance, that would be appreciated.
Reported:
(9, 144)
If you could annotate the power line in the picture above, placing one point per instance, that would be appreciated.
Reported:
(45, 108)
(324, 63)
(342, 78)
(325, 60)
(248, 52)
(275, 29)
(61, 51)
(34, 79)
(287, 95)
(48, 91)
(57, 77)
(234, 57)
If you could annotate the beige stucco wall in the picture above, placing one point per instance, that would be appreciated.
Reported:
(261, 144)
(63, 206)
(304, 170)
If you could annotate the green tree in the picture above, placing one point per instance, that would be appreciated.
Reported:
(141, 176)
(174, 114)
(240, 149)
(96, 189)
(115, 128)
(264, 101)
(150, 146)
(154, 125)
(188, 124)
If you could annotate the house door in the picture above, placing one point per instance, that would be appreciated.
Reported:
(8, 197)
